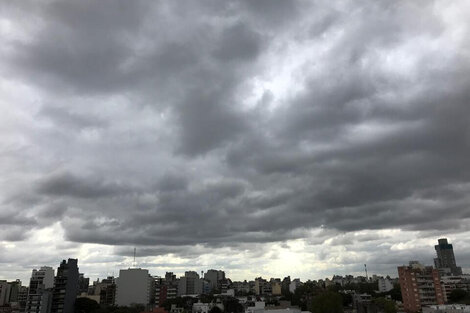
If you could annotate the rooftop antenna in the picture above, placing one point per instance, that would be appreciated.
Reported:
(365, 267)
(134, 264)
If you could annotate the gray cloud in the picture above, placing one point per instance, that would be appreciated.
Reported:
(187, 128)
(68, 184)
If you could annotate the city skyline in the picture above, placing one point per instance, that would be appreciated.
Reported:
(259, 137)
(364, 273)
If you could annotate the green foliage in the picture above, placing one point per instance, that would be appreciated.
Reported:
(135, 308)
(347, 299)
(327, 302)
(206, 298)
(181, 302)
(304, 294)
(232, 305)
(215, 309)
(458, 296)
(86, 305)
(388, 306)
(242, 293)
(369, 288)
(395, 293)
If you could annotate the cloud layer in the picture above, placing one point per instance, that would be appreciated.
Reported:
(252, 129)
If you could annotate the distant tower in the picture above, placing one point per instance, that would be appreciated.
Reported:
(134, 264)
(39, 298)
(65, 287)
(365, 268)
(445, 260)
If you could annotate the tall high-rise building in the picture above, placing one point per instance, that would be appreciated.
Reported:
(262, 286)
(276, 289)
(295, 283)
(65, 287)
(420, 286)
(39, 299)
(83, 283)
(445, 260)
(190, 284)
(15, 287)
(285, 285)
(133, 286)
(165, 288)
(23, 297)
(5, 289)
(384, 284)
(214, 277)
(106, 289)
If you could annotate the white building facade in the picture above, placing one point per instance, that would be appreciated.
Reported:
(133, 286)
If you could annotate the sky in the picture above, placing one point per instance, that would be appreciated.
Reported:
(264, 138)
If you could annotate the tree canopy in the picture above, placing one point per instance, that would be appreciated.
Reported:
(327, 302)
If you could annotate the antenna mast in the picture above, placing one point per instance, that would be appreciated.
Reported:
(134, 264)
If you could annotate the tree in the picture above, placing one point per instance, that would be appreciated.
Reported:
(327, 302)
(395, 293)
(304, 294)
(388, 306)
(86, 305)
(206, 298)
(347, 299)
(458, 295)
(215, 309)
(232, 305)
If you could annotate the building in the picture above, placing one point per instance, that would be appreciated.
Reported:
(384, 284)
(420, 286)
(95, 298)
(285, 285)
(449, 308)
(294, 284)
(83, 283)
(190, 284)
(241, 287)
(161, 294)
(262, 286)
(41, 284)
(445, 260)
(156, 310)
(133, 286)
(362, 303)
(104, 292)
(166, 288)
(108, 291)
(15, 287)
(276, 287)
(199, 307)
(214, 277)
(258, 307)
(450, 283)
(65, 287)
(22, 298)
(4, 292)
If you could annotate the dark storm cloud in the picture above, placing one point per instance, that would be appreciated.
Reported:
(205, 124)
(238, 42)
(11, 218)
(215, 125)
(67, 184)
(80, 45)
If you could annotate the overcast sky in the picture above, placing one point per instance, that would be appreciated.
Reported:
(262, 137)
